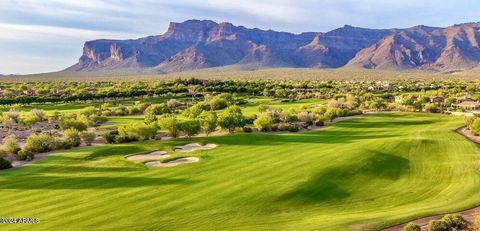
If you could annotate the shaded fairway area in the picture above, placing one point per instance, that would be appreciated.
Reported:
(360, 174)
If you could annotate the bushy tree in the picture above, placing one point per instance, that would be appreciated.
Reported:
(170, 123)
(455, 222)
(152, 111)
(411, 226)
(475, 126)
(194, 111)
(264, 122)
(88, 137)
(190, 127)
(217, 103)
(10, 145)
(437, 225)
(208, 121)
(72, 136)
(231, 118)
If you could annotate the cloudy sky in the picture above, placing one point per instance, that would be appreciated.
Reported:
(48, 35)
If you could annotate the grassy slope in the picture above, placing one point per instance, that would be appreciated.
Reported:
(377, 170)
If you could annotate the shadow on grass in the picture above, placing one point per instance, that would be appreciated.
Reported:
(67, 182)
(340, 182)
(320, 137)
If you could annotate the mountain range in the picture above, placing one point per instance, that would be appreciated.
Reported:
(197, 44)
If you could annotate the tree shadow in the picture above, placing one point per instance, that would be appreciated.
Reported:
(64, 182)
(319, 137)
(342, 181)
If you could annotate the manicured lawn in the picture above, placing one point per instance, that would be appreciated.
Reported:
(252, 106)
(369, 172)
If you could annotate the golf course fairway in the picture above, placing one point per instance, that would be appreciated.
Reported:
(360, 174)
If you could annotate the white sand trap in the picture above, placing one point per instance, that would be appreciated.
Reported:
(150, 156)
(173, 163)
(194, 147)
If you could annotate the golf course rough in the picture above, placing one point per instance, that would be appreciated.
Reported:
(370, 172)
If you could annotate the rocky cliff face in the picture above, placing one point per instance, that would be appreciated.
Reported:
(196, 44)
(452, 48)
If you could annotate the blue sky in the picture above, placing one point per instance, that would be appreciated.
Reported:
(48, 35)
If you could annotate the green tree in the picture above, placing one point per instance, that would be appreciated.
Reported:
(170, 123)
(194, 111)
(152, 111)
(208, 121)
(231, 118)
(475, 126)
(190, 127)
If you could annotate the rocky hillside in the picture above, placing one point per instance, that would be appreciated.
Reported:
(196, 44)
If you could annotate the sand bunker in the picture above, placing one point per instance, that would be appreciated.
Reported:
(184, 160)
(194, 147)
(150, 156)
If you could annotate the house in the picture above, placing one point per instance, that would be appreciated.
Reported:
(437, 100)
(468, 105)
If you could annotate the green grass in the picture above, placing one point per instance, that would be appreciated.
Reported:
(252, 106)
(370, 172)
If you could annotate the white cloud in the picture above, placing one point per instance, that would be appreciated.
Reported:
(36, 32)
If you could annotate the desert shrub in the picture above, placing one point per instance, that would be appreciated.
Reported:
(173, 103)
(455, 222)
(10, 145)
(108, 138)
(305, 117)
(73, 123)
(287, 127)
(72, 136)
(88, 111)
(88, 137)
(41, 143)
(95, 119)
(476, 222)
(430, 107)
(264, 122)
(263, 108)
(247, 129)
(411, 226)
(28, 120)
(24, 155)
(4, 164)
(319, 122)
(38, 114)
(12, 115)
(135, 132)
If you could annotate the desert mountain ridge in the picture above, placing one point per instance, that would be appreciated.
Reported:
(197, 44)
